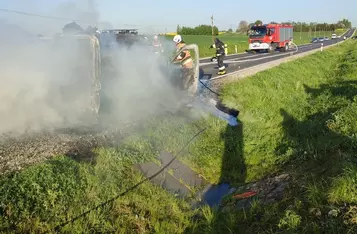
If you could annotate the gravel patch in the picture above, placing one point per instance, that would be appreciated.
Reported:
(20, 151)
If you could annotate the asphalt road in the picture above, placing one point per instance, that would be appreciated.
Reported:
(237, 62)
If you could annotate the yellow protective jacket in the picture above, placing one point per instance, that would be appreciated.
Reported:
(185, 57)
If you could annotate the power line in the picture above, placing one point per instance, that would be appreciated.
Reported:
(38, 15)
(68, 19)
(57, 228)
(50, 17)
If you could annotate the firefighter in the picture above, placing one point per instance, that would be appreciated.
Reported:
(185, 59)
(157, 45)
(220, 53)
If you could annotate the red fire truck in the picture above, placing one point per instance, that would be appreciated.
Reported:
(270, 37)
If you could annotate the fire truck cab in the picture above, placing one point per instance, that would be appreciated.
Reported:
(270, 37)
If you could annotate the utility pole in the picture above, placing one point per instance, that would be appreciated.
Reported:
(212, 29)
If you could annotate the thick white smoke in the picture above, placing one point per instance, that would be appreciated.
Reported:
(45, 85)
(140, 84)
(38, 87)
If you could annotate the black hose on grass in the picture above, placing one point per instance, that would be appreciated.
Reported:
(58, 227)
(214, 92)
(220, 106)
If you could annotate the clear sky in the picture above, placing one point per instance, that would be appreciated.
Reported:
(162, 15)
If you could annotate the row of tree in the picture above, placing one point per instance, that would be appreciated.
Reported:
(199, 30)
(243, 26)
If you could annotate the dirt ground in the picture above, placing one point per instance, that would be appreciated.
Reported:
(19, 151)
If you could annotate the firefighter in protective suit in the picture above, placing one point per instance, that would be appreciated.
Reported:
(157, 45)
(220, 53)
(186, 62)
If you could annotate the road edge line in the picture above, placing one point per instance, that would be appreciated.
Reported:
(248, 72)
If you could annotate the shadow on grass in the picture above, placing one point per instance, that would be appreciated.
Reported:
(318, 148)
(313, 145)
(233, 168)
(233, 172)
(314, 140)
(347, 89)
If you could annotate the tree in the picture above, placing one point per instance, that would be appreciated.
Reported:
(341, 25)
(178, 29)
(258, 22)
(199, 30)
(243, 26)
(345, 22)
(230, 30)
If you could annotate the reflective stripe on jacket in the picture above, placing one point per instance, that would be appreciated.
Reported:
(157, 44)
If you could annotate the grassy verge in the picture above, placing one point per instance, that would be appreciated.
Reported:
(42, 197)
(240, 40)
(310, 131)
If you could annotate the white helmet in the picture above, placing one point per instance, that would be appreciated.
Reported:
(156, 37)
(177, 39)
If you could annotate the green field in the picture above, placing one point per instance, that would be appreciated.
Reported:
(240, 40)
(310, 132)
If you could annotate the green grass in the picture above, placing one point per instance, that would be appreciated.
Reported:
(240, 40)
(310, 131)
(340, 30)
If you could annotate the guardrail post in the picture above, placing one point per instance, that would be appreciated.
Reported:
(236, 49)
(322, 46)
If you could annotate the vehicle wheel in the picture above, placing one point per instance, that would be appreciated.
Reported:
(271, 48)
(285, 48)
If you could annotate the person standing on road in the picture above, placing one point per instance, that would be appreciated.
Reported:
(185, 59)
(220, 53)
(157, 45)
